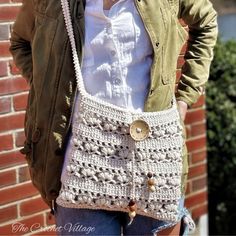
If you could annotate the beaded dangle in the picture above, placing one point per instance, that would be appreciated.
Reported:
(151, 182)
(132, 209)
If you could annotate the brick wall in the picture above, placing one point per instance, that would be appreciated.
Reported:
(21, 208)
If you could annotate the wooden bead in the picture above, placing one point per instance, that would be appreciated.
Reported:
(133, 207)
(152, 188)
(132, 214)
(151, 182)
(132, 202)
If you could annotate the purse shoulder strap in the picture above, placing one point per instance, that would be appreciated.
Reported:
(70, 32)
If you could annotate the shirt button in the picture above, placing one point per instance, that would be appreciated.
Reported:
(116, 94)
(113, 53)
(117, 81)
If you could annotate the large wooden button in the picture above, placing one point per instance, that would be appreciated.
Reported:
(139, 130)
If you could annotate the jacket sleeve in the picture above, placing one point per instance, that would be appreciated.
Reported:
(201, 19)
(21, 37)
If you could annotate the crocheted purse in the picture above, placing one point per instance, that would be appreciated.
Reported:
(122, 160)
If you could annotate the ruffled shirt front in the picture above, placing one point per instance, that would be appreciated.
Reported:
(117, 54)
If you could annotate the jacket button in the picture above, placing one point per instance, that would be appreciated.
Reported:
(36, 136)
(157, 44)
(26, 149)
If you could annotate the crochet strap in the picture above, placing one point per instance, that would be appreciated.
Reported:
(70, 32)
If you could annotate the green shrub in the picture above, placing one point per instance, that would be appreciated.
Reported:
(221, 125)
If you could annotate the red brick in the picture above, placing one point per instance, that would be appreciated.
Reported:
(184, 48)
(20, 102)
(5, 104)
(3, 68)
(32, 206)
(12, 122)
(14, 69)
(11, 159)
(196, 171)
(180, 62)
(199, 184)
(24, 226)
(198, 157)
(178, 75)
(7, 178)
(17, 192)
(199, 211)
(8, 213)
(4, 46)
(6, 142)
(8, 13)
(195, 116)
(188, 188)
(198, 129)
(200, 102)
(20, 138)
(10, 86)
(196, 199)
(196, 144)
(24, 174)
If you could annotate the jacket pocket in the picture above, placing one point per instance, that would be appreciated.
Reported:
(161, 98)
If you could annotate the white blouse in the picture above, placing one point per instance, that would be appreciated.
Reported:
(117, 54)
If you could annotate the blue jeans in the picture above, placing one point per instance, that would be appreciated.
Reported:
(74, 221)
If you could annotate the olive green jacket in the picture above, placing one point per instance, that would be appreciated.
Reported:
(40, 47)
